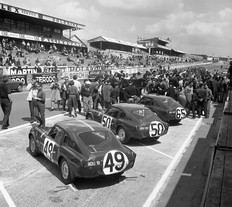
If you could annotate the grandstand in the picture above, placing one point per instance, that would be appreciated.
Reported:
(35, 31)
(158, 46)
(31, 39)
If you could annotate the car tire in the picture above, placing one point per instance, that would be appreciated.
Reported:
(89, 117)
(20, 88)
(121, 132)
(32, 147)
(65, 172)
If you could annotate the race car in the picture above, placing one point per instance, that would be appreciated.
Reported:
(82, 149)
(130, 121)
(168, 109)
(15, 85)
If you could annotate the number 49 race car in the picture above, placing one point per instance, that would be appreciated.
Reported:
(130, 121)
(82, 149)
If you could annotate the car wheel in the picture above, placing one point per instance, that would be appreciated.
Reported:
(65, 172)
(20, 88)
(32, 147)
(89, 117)
(122, 135)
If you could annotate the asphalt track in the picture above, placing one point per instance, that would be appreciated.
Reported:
(28, 181)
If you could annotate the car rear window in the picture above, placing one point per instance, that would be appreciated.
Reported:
(140, 112)
(168, 102)
(98, 140)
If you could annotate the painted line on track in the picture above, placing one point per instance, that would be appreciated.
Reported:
(6, 196)
(27, 125)
(166, 155)
(174, 162)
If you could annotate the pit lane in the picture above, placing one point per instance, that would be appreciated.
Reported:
(33, 181)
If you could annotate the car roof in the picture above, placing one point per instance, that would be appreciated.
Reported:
(129, 106)
(79, 126)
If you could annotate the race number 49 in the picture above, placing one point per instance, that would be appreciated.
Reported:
(156, 129)
(180, 113)
(114, 162)
(48, 148)
(106, 121)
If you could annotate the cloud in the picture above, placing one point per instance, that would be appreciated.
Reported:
(141, 7)
(189, 23)
(225, 13)
(204, 28)
(132, 29)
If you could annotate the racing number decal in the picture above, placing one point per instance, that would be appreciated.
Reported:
(180, 113)
(156, 129)
(48, 148)
(106, 121)
(114, 162)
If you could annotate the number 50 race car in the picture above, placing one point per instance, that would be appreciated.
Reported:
(81, 148)
(130, 121)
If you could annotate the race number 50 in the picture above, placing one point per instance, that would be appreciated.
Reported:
(114, 162)
(48, 148)
(180, 113)
(106, 121)
(156, 129)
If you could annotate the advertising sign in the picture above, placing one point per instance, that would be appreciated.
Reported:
(45, 77)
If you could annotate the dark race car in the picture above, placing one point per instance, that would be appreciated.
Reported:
(15, 85)
(82, 149)
(130, 121)
(165, 107)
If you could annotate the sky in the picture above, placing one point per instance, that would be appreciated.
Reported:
(194, 26)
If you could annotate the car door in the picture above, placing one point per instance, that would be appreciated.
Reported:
(110, 118)
(51, 144)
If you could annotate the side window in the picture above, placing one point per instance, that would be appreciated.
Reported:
(122, 115)
(53, 132)
(59, 136)
(113, 112)
(156, 103)
(145, 101)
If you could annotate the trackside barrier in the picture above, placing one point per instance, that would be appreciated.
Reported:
(218, 190)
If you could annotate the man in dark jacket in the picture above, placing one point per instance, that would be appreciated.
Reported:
(202, 104)
(6, 102)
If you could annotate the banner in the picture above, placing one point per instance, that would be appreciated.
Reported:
(80, 74)
(22, 78)
(45, 77)
(22, 71)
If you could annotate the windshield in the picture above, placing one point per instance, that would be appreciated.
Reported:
(168, 102)
(99, 140)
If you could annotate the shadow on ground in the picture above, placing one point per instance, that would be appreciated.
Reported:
(186, 186)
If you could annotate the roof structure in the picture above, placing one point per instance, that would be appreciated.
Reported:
(108, 39)
(31, 16)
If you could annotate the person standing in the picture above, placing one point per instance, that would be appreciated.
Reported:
(188, 92)
(106, 93)
(115, 93)
(201, 105)
(31, 87)
(209, 96)
(86, 94)
(77, 83)
(55, 95)
(40, 105)
(72, 98)
(64, 92)
(6, 102)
